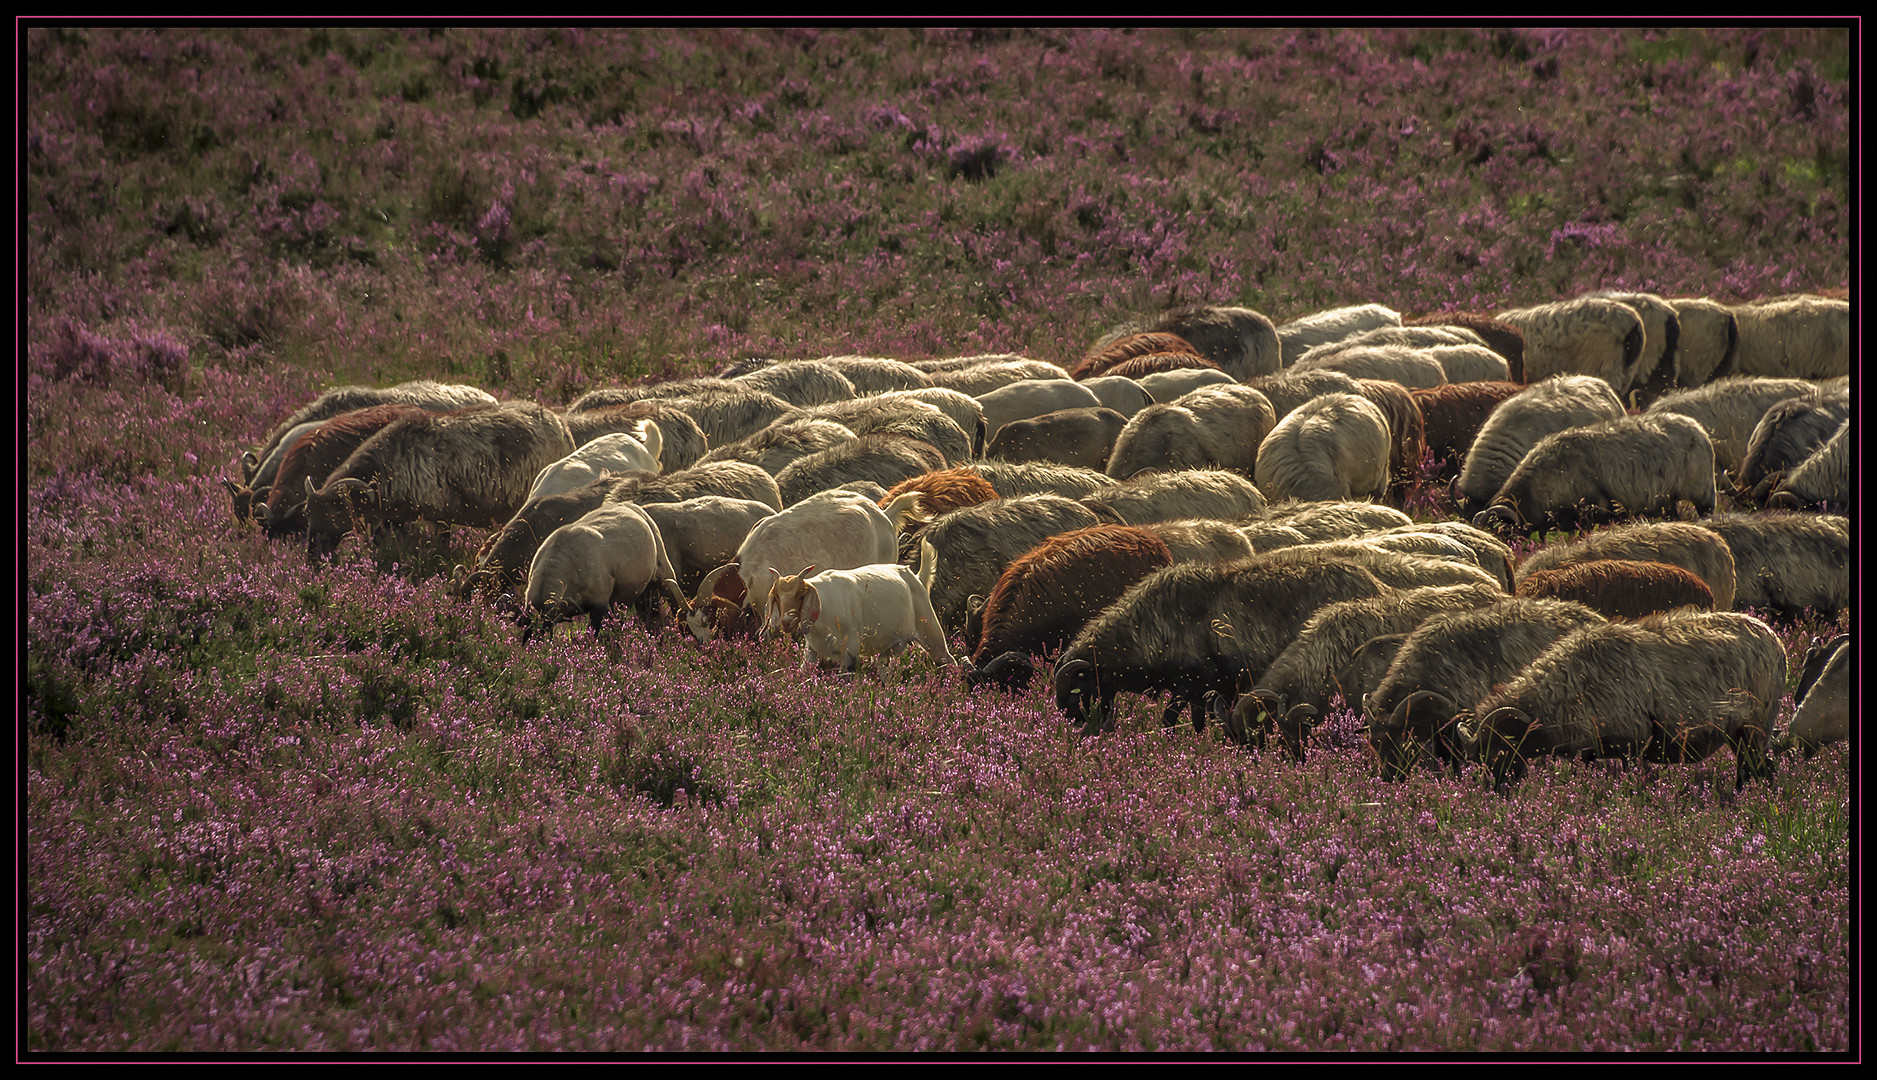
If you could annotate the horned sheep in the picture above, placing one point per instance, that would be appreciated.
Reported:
(1786, 563)
(1825, 478)
(1519, 423)
(1806, 337)
(1628, 467)
(1216, 427)
(1081, 437)
(315, 456)
(1730, 409)
(1823, 715)
(434, 396)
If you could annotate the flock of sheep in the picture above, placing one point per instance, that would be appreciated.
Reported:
(1206, 506)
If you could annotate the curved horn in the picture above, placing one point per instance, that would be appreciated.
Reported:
(1295, 728)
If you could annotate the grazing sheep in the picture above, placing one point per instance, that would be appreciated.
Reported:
(1081, 437)
(1300, 335)
(1268, 536)
(1365, 667)
(703, 534)
(871, 375)
(1172, 385)
(1453, 415)
(1032, 397)
(1490, 553)
(905, 416)
(784, 442)
(433, 396)
(1633, 466)
(1668, 688)
(834, 530)
(614, 454)
(682, 443)
(1414, 338)
(961, 409)
(1239, 340)
(1786, 563)
(1045, 597)
(801, 383)
(613, 555)
(613, 396)
(1459, 658)
(1805, 337)
(997, 373)
(1394, 567)
(1121, 349)
(1586, 336)
(1621, 588)
(463, 468)
(1393, 363)
(249, 497)
(1516, 426)
(1288, 391)
(1407, 433)
(1333, 447)
(1159, 363)
(1198, 628)
(1298, 685)
(1335, 519)
(970, 548)
(1729, 409)
(505, 555)
(1501, 337)
(1825, 478)
(1790, 431)
(1699, 550)
(883, 459)
(1658, 368)
(869, 611)
(1201, 540)
(1190, 493)
(1823, 715)
(1471, 363)
(1124, 396)
(1012, 479)
(1709, 340)
(314, 457)
(1214, 427)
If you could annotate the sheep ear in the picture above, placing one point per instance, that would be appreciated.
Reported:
(807, 572)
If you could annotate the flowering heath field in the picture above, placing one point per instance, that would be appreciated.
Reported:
(273, 806)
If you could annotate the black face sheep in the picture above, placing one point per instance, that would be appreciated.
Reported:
(1730, 409)
(1458, 658)
(465, 468)
(1519, 423)
(1586, 336)
(1297, 687)
(883, 459)
(1198, 628)
(1823, 715)
(314, 457)
(1789, 432)
(250, 496)
(1332, 447)
(784, 442)
(1080, 437)
(1786, 563)
(1822, 479)
(613, 555)
(966, 551)
(1634, 466)
(436, 397)
(1301, 335)
(1668, 688)
(1214, 427)
(1044, 598)
(1364, 670)
(1806, 337)
(1621, 588)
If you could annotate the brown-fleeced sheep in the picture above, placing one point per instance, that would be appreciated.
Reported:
(1621, 588)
